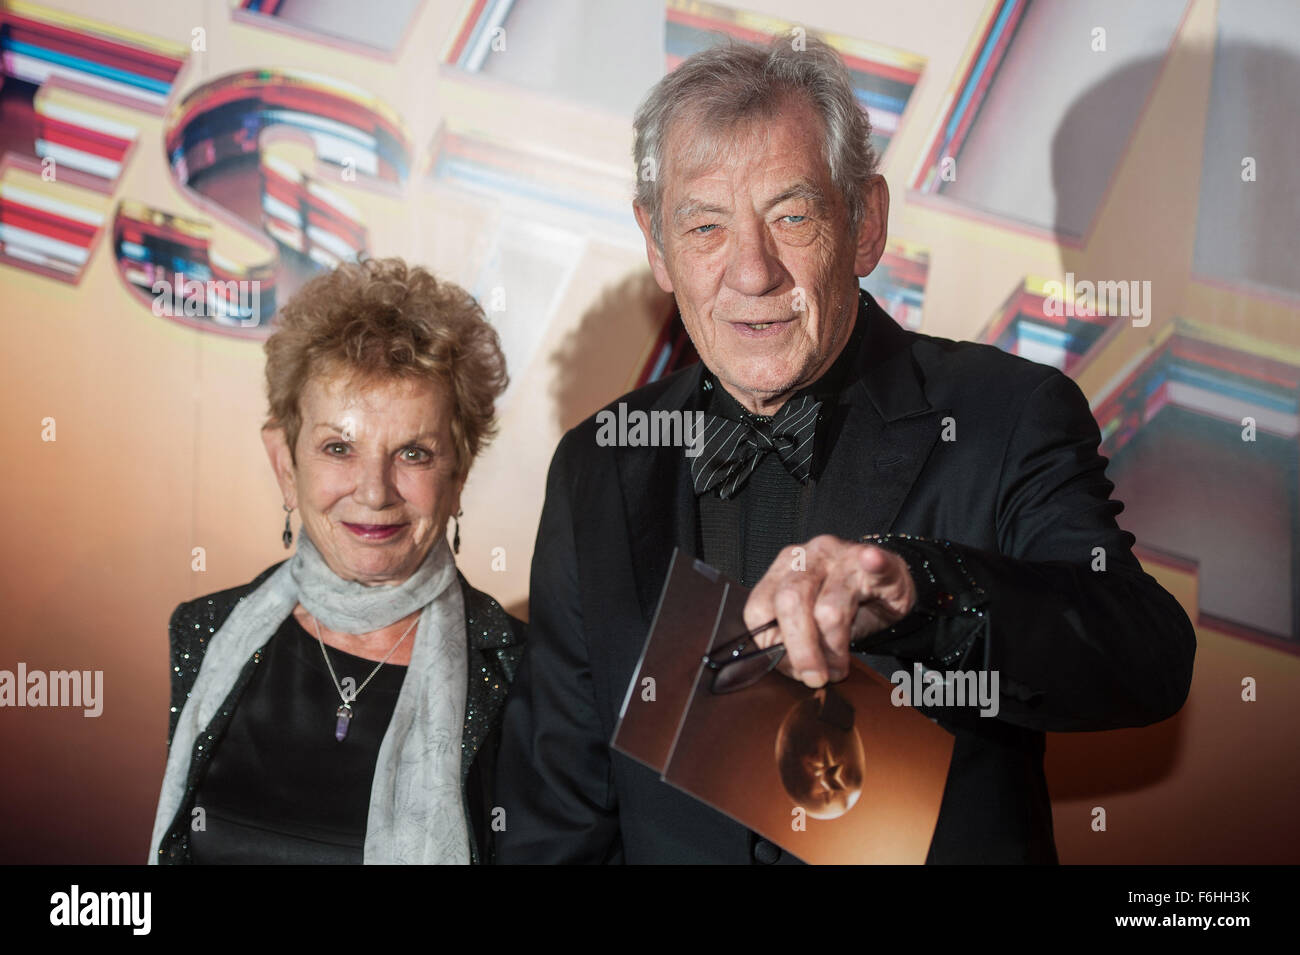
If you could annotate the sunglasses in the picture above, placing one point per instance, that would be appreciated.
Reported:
(741, 663)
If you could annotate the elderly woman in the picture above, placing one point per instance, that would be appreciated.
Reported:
(343, 706)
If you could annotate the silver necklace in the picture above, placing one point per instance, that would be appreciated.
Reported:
(343, 715)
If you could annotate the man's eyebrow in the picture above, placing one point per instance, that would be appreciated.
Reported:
(692, 207)
(803, 189)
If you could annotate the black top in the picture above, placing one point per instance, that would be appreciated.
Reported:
(279, 787)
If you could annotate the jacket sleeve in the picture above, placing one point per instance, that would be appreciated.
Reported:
(1080, 636)
(554, 777)
(189, 633)
(181, 678)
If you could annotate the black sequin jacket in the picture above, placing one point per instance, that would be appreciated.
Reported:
(496, 643)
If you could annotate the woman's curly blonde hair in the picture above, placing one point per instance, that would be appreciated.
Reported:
(380, 320)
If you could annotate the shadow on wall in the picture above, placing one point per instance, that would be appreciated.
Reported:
(1245, 234)
(600, 359)
(1247, 230)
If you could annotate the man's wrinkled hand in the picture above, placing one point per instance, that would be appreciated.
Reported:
(823, 595)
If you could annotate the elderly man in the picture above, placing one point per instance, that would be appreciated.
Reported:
(976, 473)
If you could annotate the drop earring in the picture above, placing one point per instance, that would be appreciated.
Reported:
(455, 537)
(287, 536)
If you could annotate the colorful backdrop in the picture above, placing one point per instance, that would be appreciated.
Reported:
(1031, 147)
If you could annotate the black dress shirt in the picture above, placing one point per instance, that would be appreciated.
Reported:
(742, 536)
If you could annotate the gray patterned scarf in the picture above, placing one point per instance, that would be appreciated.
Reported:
(416, 807)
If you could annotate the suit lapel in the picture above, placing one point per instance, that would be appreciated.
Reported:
(882, 430)
(658, 497)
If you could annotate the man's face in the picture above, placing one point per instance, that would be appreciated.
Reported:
(757, 250)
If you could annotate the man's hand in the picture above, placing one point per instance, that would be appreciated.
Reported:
(824, 595)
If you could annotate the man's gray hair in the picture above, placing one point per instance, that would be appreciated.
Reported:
(729, 84)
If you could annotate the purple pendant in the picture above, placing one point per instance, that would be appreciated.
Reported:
(344, 714)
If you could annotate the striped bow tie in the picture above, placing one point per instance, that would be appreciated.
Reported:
(733, 449)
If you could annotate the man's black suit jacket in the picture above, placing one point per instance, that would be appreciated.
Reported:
(952, 441)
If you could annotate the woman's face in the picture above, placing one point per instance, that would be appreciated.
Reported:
(375, 480)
